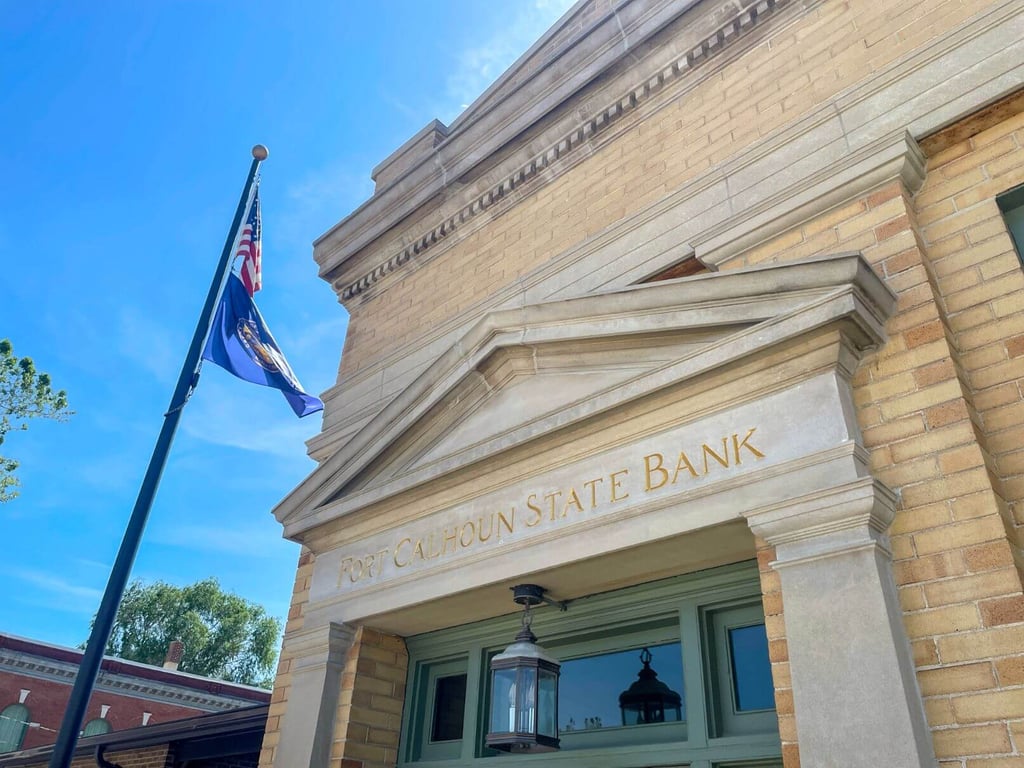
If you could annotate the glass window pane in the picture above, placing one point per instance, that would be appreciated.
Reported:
(449, 708)
(751, 670)
(503, 697)
(589, 688)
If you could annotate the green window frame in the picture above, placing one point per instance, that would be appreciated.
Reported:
(696, 611)
(427, 691)
(14, 720)
(1011, 205)
(96, 726)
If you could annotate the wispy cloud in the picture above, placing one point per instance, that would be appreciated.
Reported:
(318, 200)
(251, 541)
(237, 414)
(60, 594)
(480, 65)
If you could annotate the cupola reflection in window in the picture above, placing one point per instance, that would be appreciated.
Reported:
(590, 688)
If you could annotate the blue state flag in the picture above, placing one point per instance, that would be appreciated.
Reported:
(241, 343)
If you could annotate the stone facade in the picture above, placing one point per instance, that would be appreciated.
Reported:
(692, 218)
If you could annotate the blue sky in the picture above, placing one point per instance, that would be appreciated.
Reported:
(125, 131)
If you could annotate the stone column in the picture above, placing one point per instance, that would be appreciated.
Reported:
(307, 727)
(855, 691)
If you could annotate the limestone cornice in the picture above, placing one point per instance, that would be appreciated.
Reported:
(550, 162)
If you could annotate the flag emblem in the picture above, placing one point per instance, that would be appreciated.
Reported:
(266, 356)
(241, 343)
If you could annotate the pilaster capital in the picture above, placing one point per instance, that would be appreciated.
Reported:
(317, 646)
(851, 516)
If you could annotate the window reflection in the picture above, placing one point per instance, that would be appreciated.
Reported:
(751, 669)
(589, 687)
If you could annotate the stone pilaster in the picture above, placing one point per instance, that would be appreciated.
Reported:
(855, 694)
(318, 661)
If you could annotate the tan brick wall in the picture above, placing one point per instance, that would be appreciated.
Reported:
(369, 718)
(778, 653)
(283, 679)
(926, 403)
(982, 287)
(830, 47)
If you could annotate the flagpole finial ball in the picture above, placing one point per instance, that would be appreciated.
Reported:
(260, 152)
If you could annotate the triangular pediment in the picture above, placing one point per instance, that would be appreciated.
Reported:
(513, 387)
(520, 374)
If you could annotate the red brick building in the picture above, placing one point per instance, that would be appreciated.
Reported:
(36, 680)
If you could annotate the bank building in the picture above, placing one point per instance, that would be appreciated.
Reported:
(679, 419)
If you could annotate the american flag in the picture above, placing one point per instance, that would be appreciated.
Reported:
(251, 270)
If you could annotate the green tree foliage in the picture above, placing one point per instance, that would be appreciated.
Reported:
(24, 394)
(225, 636)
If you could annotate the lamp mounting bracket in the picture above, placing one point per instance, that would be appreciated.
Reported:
(531, 595)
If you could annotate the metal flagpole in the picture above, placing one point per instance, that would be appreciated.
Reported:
(63, 750)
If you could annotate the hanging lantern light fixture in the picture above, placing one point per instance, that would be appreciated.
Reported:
(648, 700)
(524, 688)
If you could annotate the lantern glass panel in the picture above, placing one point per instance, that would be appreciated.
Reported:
(546, 703)
(504, 701)
(526, 699)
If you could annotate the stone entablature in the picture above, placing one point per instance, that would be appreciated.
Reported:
(374, 511)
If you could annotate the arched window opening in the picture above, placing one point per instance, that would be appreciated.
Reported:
(14, 721)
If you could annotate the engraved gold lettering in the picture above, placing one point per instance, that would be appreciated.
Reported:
(737, 444)
(397, 552)
(616, 485)
(592, 485)
(650, 469)
(551, 497)
(508, 522)
(453, 537)
(706, 450)
(683, 463)
(346, 567)
(466, 532)
(480, 527)
(572, 499)
(418, 550)
(531, 504)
